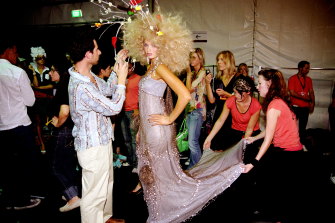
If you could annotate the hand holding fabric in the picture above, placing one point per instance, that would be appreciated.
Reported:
(207, 144)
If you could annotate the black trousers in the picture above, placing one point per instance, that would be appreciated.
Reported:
(302, 115)
(17, 165)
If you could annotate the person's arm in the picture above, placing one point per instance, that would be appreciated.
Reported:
(209, 90)
(49, 86)
(109, 87)
(64, 113)
(199, 79)
(224, 94)
(217, 126)
(189, 75)
(294, 94)
(271, 123)
(92, 98)
(181, 91)
(35, 81)
(26, 90)
(251, 124)
(312, 100)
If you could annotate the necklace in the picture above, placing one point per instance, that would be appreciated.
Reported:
(91, 77)
(302, 84)
(243, 107)
(151, 72)
(75, 69)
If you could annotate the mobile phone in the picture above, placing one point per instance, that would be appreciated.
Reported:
(208, 71)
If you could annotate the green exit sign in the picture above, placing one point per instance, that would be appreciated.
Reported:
(76, 13)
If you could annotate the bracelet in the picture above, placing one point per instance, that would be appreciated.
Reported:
(254, 162)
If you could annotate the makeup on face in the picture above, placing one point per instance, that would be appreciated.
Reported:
(263, 86)
(150, 49)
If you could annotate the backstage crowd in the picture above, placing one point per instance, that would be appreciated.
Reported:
(224, 107)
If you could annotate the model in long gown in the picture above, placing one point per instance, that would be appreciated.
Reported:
(172, 194)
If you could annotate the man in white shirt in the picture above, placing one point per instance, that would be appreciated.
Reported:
(17, 158)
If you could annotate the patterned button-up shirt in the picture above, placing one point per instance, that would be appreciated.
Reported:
(90, 108)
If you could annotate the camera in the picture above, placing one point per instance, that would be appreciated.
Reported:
(208, 71)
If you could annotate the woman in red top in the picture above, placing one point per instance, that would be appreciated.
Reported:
(280, 180)
(244, 110)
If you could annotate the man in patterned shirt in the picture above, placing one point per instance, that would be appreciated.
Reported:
(92, 131)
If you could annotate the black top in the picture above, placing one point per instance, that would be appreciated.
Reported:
(44, 81)
(218, 102)
(61, 98)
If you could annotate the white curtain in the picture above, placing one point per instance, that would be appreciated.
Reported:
(260, 33)
(269, 33)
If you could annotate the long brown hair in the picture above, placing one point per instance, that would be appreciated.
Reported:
(277, 88)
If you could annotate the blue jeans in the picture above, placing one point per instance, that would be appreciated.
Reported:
(129, 136)
(65, 162)
(194, 123)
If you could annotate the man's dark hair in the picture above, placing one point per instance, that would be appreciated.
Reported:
(302, 63)
(6, 43)
(82, 43)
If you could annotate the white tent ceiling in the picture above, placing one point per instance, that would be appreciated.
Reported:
(270, 33)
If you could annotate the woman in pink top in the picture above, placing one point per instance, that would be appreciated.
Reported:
(244, 110)
(281, 170)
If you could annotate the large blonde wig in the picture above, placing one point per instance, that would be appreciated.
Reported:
(166, 32)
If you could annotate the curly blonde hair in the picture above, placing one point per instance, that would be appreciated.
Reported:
(174, 44)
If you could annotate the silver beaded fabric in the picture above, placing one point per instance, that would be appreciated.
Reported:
(172, 194)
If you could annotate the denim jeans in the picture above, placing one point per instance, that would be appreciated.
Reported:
(129, 136)
(65, 162)
(194, 123)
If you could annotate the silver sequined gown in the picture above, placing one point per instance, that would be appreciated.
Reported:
(171, 194)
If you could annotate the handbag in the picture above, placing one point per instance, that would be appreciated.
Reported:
(182, 140)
